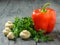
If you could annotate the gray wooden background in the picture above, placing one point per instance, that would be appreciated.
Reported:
(9, 9)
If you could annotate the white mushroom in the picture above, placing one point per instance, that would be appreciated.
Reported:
(7, 29)
(10, 35)
(9, 24)
(5, 32)
(25, 34)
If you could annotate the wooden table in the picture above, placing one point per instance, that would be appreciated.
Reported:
(9, 9)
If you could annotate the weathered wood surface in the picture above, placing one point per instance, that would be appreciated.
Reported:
(20, 8)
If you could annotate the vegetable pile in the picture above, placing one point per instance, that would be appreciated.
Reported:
(35, 27)
(26, 25)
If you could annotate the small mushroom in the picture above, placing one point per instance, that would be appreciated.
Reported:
(5, 32)
(9, 24)
(25, 34)
(7, 29)
(10, 35)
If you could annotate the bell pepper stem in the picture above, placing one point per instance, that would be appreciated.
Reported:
(44, 7)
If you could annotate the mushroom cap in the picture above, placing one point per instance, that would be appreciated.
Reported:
(10, 35)
(7, 29)
(9, 22)
(9, 25)
(25, 34)
(5, 32)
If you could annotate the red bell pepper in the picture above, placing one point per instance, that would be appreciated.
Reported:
(44, 18)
